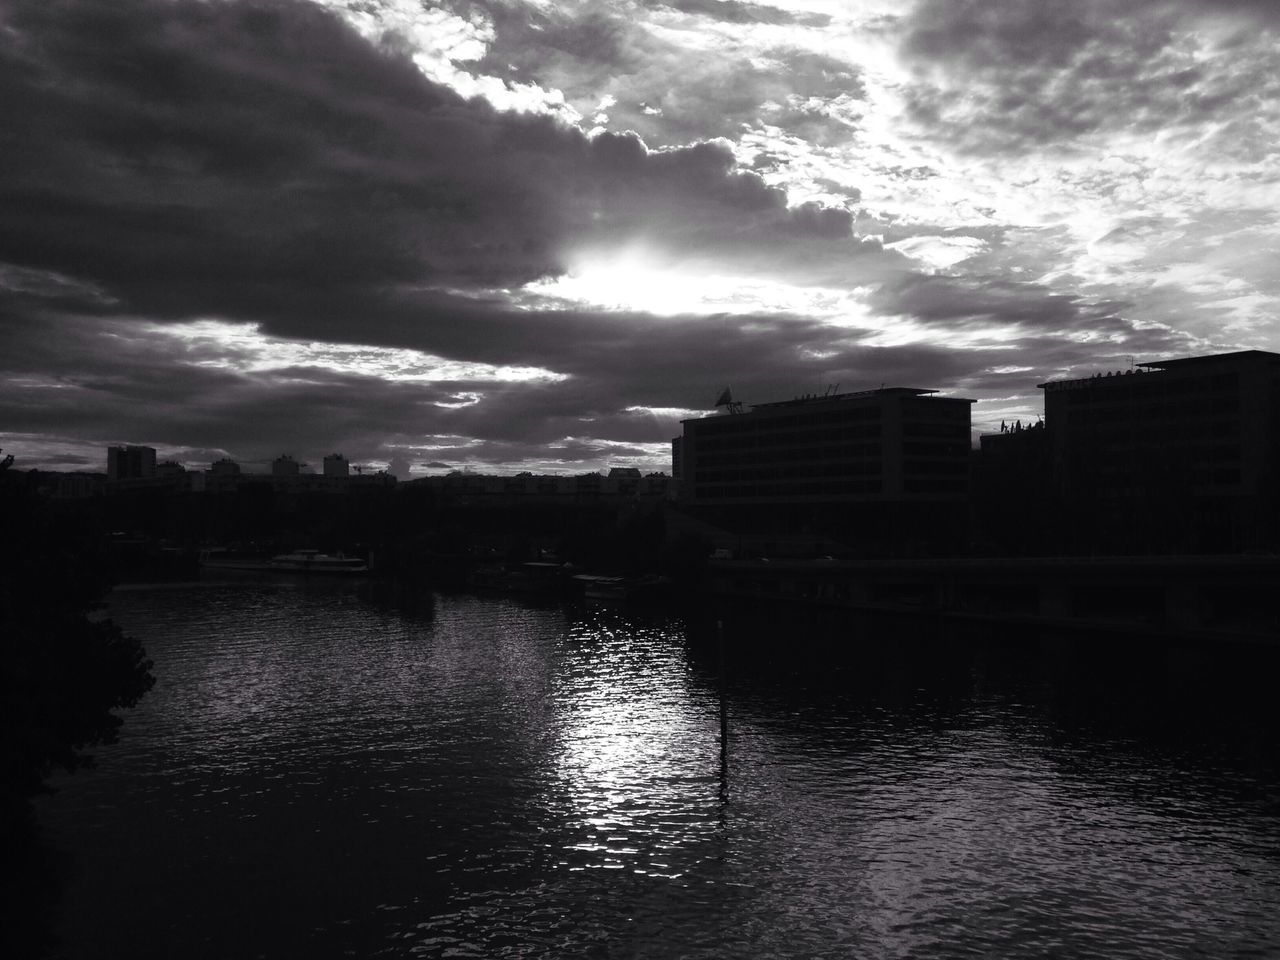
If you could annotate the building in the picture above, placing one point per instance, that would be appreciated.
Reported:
(887, 468)
(285, 466)
(1010, 491)
(226, 467)
(335, 465)
(895, 443)
(549, 488)
(1171, 456)
(131, 462)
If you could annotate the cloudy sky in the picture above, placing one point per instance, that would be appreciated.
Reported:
(534, 235)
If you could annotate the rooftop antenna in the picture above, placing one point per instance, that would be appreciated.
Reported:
(726, 400)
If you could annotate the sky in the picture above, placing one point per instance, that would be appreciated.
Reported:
(499, 235)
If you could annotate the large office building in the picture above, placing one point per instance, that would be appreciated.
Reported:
(876, 466)
(1172, 455)
(895, 443)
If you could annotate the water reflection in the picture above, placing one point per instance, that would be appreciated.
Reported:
(320, 773)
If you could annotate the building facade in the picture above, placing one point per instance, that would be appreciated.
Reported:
(895, 443)
(1174, 455)
(285, 466)
(335, 465)
(131, 462)
(879, 471)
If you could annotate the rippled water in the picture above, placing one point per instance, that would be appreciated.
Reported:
(323, 772)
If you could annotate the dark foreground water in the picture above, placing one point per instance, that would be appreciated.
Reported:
(323, 772)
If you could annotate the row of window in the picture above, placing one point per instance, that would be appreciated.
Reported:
(742, 441)
(829, 488)
(798, 472)
(820, 454)
(746, 423)
(1125, 388)
(1157, 455)
(937, 449)
(936, 467)
(938, 410)
(834, 444)
(935, 484)
(1159, 435)
(1180, 411)
(954, 430)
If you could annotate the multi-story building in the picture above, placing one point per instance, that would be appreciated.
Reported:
(887, 468)
(1171, 455)
(226, 467)
(335, 465)
(895, 443)
(285, 466)
(131, 462)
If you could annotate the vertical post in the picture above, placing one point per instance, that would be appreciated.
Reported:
(724, 715)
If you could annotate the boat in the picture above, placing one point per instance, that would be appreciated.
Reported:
(313, 561)
(600, 587)
(539, 578)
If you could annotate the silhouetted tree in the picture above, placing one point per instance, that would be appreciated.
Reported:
(61, 671)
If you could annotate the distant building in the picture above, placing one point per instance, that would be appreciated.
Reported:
(887, 469)
(547, 488)
(285, 466)
(170, 469)
(131, 462)
(1173, 455)
(1010, 491)
(226, 467)
(71, 486)
(335, 465)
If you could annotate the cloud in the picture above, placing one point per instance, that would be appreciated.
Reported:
(735, 11)
(246, 226)
(996, 76)
(220, 156)
(672, 79)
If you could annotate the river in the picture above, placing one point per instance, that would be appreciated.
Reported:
(323, 770)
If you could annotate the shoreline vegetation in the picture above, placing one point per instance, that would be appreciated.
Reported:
(66, 670)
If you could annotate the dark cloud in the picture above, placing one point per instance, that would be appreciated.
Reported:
(121, 380)
(223, 156)
(257, 162)
(1014, 75)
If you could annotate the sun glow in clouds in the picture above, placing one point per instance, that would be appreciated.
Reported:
(243, 347)
(636, 283)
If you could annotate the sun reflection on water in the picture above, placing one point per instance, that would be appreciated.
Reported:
(637, 764)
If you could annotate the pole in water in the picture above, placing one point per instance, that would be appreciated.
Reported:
(724, 715)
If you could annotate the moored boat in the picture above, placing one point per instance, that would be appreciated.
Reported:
(601, 587)
(313, 561)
